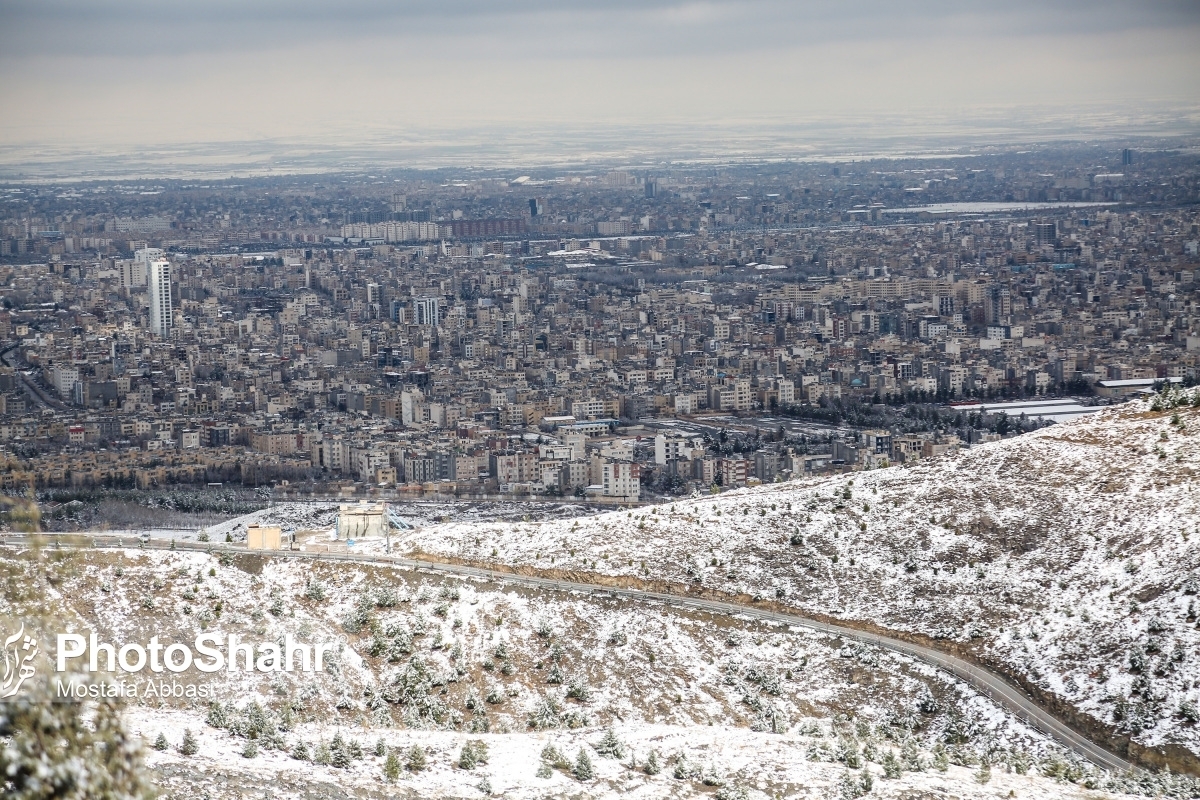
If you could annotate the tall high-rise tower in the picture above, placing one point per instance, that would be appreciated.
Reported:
(374, 306)
(1045, 233)
(162, 309)
(427, 311)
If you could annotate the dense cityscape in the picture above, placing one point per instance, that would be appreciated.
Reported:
(703, 400)
(615, 335)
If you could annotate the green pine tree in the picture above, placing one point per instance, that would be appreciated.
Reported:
(583, 770)
(848, 786)
(391, 767)
(866, 781)
(941, 759)
(67, 750)
(910, 756)
(466, 758)
(551, 756)
(339, 754)
(610, 746)
(415, 761)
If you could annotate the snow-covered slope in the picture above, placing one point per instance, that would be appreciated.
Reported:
(1069, 557)
(748, 766)
(438, 663)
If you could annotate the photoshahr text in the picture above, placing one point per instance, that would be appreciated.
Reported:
(210, 652)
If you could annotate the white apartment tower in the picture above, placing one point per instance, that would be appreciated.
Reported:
(162, 310)
(427, 311)
(374, 307)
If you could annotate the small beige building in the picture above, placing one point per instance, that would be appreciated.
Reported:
(264, 537)
(361, 521)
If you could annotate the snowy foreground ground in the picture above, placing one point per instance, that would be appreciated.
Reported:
(1068, 556)
(750, 765)
(729, 708)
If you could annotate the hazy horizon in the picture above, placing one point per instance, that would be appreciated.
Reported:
(524, 149)
(305, 86)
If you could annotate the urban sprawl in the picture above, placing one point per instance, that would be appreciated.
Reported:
(608, 335)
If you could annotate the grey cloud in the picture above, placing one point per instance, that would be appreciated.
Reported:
(137, 28)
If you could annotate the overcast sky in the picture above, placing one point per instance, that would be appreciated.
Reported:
(144, 72)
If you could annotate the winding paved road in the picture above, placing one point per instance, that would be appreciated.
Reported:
(995, 687)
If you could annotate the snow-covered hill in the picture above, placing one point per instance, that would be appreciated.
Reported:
(1070, 557)
(442, 664)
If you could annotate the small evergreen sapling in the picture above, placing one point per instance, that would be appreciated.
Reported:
(941, 759)
(473, 753)
(910, 757)
(610, 746)
(339, 755)
(551, 760)
(849, 787)
(415, 761)
(866, 781)
(579, 690)
(583, 769)
(891, 765)
(391, 767)
(683, 769)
